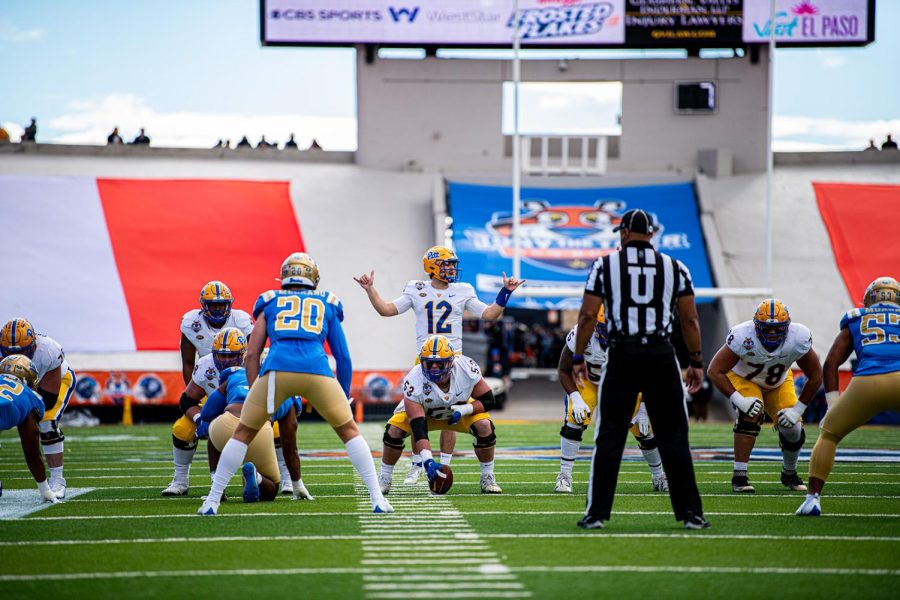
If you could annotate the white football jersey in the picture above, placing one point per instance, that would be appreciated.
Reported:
(766, 369)
(48, 356)
(439, 312)
(463, 378)
(206, 375)
(594, 355)
(200, 334)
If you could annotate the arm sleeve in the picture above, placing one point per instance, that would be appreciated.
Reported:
(214, 406)
(337, 341)
(594, 285)
(685, 284)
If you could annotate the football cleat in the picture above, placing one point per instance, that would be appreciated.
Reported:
(300, 269)
(228, 348)
(383, 507)
(175, 489)
(215, 303)
(792, 480)
(17, 337)
(696, 522)
(441, 263)
(384, 482)
(590, 522)
(436, 358)
(740, 484)
(489, 485)
(58, 487)
(287, 487)
(563, 484)
(251, 487)
(810, 507)
(20, 367)
(208, 509)
(415, 471)
(772, 320)
(660, 484)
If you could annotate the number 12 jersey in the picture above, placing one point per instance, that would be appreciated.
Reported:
(439, 312)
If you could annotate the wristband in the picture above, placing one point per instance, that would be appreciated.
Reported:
(196, 418)
(696, 364)
(832, 397)
(464, 409)
(577, 359)
(697, 353)
(800, 407)
(736, 398)
(503, 297)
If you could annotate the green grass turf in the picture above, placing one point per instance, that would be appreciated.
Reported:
(853, 551)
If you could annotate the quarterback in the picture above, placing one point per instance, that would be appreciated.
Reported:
(753, 369)
(580, 406)
(444, 391)
(297, 319)
(439, 305)
(873, 332)
(56, 383)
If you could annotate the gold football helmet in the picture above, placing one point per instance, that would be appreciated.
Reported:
(229, 347)
(441, 263)
(600, 327)
(300, 269)
(436, 358)
(883, 289)
(17, 337)
(772, 320)
(20, 367)
(216, 301)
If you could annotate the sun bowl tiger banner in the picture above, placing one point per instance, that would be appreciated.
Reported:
(563, 231)
(111, 265)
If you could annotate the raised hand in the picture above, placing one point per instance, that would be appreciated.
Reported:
(366, 281)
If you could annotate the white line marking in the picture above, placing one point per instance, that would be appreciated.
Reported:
(16, 504)
(690, 569)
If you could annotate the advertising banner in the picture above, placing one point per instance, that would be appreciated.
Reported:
(807, 21)
(677, 22)
(563, 231)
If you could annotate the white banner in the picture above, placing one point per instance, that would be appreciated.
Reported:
(807, 21)
(443, 22)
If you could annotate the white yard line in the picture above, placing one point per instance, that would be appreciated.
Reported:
(15, 504)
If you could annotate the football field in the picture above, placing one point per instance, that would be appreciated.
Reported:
(115, 537)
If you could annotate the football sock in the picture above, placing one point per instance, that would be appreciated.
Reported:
(386, 469)
(282, 465)
(445, 458)
(653, 459)
(183, 460)
(231, 460)
(361, 456)
(258, 478)
(487, 468)
(740, 469)
(212, 475)
(568, 450)
(56, 473)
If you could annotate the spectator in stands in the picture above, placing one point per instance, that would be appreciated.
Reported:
(219, 144)
(872, 146)
(30, 134)
(264, 144)
(114, 137)
(889, 144)
(290, 143)
(4, 135)
(227, 144)
(142, 138)
(315, 145)
(244, 143)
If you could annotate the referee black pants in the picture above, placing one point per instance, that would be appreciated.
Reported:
(657, 376)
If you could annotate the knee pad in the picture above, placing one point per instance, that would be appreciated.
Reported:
(50, 434)
(392, 442)
(791, 446)
(488, 441)
(647, 442)
(183, 445)
(572, 433)
(746, 428)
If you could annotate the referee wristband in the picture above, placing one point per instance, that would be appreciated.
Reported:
(577, 359)
(503, 297)
(696, 364)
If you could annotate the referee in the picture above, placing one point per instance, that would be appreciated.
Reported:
(642, 289)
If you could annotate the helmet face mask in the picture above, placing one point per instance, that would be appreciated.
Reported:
(17, 337)
(21, 368)
(884, 290)
(215, 302)
(441, 263)
(436, 358)
(771, 321)
(229, 347)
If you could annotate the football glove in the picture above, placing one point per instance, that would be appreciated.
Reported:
(46, 493)
(642, 420)
(300, 491)
(580, 410)
(202, 430)
(788, 417)
(749, 406)
(463, 410)
(431, 469)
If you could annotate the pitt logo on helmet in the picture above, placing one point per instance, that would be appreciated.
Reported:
(229, 347)
(436, 358)
(300, 269)
(17, 337)
(883, 289)
(216, 301)
(441, 263)
(21, 368)
(772, 321)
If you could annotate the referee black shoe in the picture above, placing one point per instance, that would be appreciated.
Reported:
(696, 522)
(590, 522)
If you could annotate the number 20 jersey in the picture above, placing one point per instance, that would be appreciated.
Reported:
(439, 312)
(297, 323)
(759, 362)
(876, 338)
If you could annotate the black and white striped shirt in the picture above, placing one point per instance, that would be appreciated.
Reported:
(639, 287)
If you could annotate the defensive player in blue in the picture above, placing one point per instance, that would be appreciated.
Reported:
(873, 333)
(22, 408)
(297, 319)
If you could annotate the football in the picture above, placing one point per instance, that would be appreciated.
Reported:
(442, 482)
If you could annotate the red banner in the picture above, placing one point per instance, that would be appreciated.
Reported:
(862, 223)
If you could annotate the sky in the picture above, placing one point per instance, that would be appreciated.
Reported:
(194, 72)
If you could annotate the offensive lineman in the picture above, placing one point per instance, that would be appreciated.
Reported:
(298, 319)
(873, 333)
(579, 409)
(56, 382)
(444, 391)
(439, 305)
(753, 369)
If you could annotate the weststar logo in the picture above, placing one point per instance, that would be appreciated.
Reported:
(403, 14)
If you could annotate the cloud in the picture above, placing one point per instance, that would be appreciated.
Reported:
(10, 33)
(811, 133)
(830, 59)
(91, 121)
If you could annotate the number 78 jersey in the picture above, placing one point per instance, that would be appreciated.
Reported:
(439, 312)
(766, 369)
